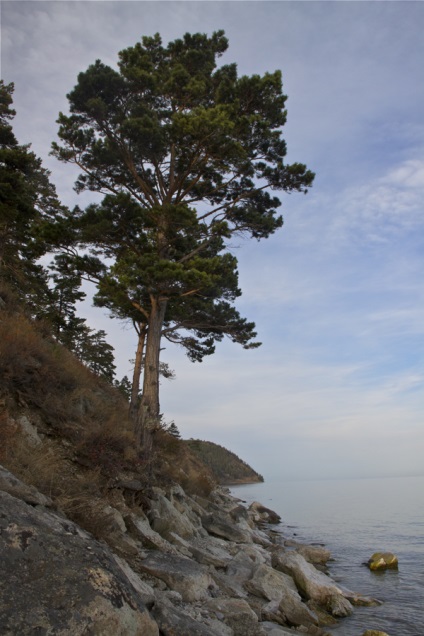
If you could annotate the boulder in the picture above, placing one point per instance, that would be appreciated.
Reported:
(269, 584)
(209, 552)
(313, 584)
(173, 621)
(186, 506)
(374, 632)
(124, 545)
(139, 527)
(241, 567)
(144, 590)
(57, 579)
(317, 555)
(29, 431)
(265, 514)
(115, 519)
(238, 615)
(238, 513)
(183, 575)
(166, 519)
(219, 526)
(256, 554)
(280, 588)
(228, 586)
(383, 561)
(261, 538)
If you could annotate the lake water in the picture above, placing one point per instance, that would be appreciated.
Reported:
(355, 518)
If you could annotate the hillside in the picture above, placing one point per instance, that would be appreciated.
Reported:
(66, 430)
(225, 465)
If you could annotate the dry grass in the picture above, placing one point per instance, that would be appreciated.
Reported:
(88, 442)
(41, 374)
(80, 493)
(109, 448)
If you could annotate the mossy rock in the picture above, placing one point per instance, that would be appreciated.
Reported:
(374, 632)
(383, 561)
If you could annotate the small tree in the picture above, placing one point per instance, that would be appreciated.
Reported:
(173, 430)
(185, 154)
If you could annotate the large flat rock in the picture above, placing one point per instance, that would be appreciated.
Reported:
(280, 588)
(174, 622)
(57, 579)
(220, 526)
(183, 575)
(312, 583)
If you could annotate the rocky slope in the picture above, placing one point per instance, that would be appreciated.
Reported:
(179, 566)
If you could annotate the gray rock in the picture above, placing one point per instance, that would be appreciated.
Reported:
(186, 505)
(265, 514)
(183, 575)
(227, 585)
(144, 590)
(241, 568)
(115, 519)
(316, 555)
(56, 579)
(313, 584)
(269, 584)
(139, 527)
(173, 621)
(219, 526)
(29, 431)
(15, 487)
(261, 538)
(238, 615)
(210, 552)
(124, 545)
(256, 553)
(280, 588)
(166, 519)
(238, 513)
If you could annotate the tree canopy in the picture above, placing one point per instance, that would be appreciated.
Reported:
(27, 201)
(26, 195)
(186, 154)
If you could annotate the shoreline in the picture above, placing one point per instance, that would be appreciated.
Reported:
(182, 564)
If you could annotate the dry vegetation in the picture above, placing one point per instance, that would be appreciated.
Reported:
(227, 467)
(66, 431)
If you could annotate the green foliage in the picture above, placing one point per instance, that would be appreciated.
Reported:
(173, 430)
(90, 346)
(28, 201)
(124, 386)
(225, 465)
(26, 198)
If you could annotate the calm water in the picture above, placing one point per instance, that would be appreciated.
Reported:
(355, 518)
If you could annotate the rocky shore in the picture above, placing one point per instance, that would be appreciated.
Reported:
(173, 565)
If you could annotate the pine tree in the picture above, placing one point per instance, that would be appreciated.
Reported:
(185, 154)
(26, 197)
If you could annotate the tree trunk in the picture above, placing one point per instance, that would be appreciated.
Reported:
(138, 365)
(148, 416)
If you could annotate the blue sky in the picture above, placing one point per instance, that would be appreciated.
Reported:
(337, 389)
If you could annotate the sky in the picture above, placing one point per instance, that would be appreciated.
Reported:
(337, 388)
